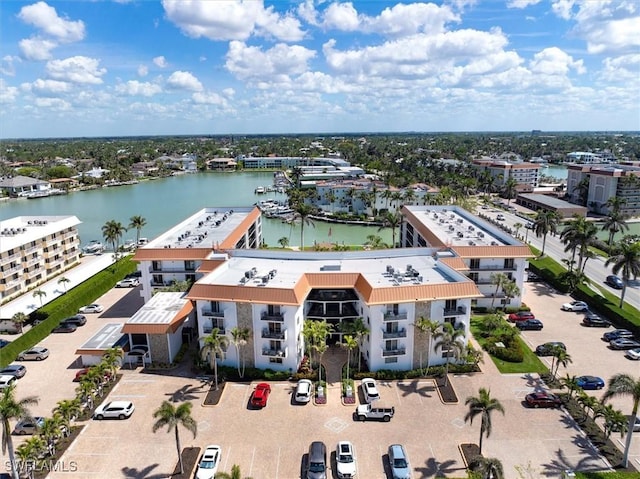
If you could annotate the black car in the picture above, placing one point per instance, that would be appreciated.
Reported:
(77, 320)
(64, 328)
(593, 320)
(529, 325)
(613, 281)
(547, 349)
(617, 334)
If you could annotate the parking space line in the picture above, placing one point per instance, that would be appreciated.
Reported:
(129, 395)
(278, 463)
(253, 456)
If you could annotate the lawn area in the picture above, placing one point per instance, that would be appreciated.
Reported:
(530, 363)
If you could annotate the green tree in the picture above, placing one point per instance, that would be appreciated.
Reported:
(137, 222)
(570, 383)
(498, 280)
(615, 222)
(112, 232)
(627, 261)
(67, 410)
(215, 345)
(545, 222)
(284, 242)
(483, 405)
(303, 212)
(509, 189)
(112, 359)
(427, 328)
(239, 338)
(38, 293)
(358, 330)
(350, 343)
(64, 281)
(19, 319)
(448, 341)
(13, 409)
(626, 386)
(487, 467)
(30, 453)
(562, 358)
(171, 417)
(393, 221)
(235, 473)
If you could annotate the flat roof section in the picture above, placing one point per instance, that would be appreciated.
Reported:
(204, 229)
(15, 232)
(548, 200)
(163, 313)
(109, 336)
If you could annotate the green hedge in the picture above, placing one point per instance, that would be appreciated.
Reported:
(67, 305)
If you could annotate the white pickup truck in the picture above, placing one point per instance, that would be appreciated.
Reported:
(372, 411)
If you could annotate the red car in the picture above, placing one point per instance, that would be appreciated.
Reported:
(260, 395)
(542, 399)
(521, 316)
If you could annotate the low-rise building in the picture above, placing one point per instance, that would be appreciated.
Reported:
(23, 186)
(526, 175)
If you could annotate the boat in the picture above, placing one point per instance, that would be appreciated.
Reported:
(94, 247)
(260, 190)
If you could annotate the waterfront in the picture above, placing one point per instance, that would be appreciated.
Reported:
(167, 201)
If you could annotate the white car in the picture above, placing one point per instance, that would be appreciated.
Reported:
(36, 353)
(128, 283)
(345, 460)
(370, 390)
(633, 354)
(303, 391)
(91, 308)
(7, 380)
(114, 410)
(208, 465)
(575, 306)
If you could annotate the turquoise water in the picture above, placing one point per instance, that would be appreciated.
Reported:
(167, 201)
(556, 171)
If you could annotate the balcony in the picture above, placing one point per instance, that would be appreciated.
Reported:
(30, 249)
(13, 269)
(265, 316)
(495, 267)
(29, 262)
(391, 316)
(212, 314)
(394, 352)
(279, 353)
(9, 257)
(32, 273)
(400, 333)
(269, 334)
(459, 311)
(208, 328)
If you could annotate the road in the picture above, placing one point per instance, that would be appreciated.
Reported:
(595, 269)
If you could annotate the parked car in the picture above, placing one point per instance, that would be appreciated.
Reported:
(91, 308)
(542, 399)
(370, 390)
(529, 325)
(636, 425)
(547, 349)
(17, 370)
(34, 354)
(128, 283)
(614, 281)
(260, 395)
(208, 465)
(617, 334)
(303, 391)
(64, 328)
(399, 462)
(369, 411)
(521, 316)
(633, 354)
(624, 343)
(317, 468)
(7, 380)
(114, 410)
(76, 320)
(594, 320)
(575, 306)
(590, 382)
(345, 460)
(4, 342)
(500, 217)
(28, 426)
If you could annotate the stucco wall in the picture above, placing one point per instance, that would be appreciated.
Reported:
(245, 320)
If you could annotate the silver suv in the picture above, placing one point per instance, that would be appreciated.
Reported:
(399, 462)
(317, 461)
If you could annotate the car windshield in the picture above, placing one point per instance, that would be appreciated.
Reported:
(399, 463)
(207, 464)
(316, 467)
(345, 458)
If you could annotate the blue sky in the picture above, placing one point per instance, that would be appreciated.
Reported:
(188, 67)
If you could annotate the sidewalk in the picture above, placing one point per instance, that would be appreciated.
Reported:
(89, 266)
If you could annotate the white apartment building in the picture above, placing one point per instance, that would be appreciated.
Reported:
(33, 249)
(527, 175)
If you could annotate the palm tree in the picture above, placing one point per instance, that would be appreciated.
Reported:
(499, 280)
(51, 431)
(614, 420)
(172, 417)
(283, 242)
(509, 189)
(578, 234)
(214, 346)
(546, 222)
(19, 319)
(511, 290)
(570, 383)
(85, 393)
(448, 341)
(615, 222)
(350, 343)
(359, 330)
(582, 189)
(63, 281)
(67, 410)
(487, 467)
(562, 358)
(112, 232)
(38, 293)
(240, 337)
(428, 328)
(517, 226)
(484, 405)
(137, 222)
(321, 329)
(303, 211)
(393, 221)
(386, 195)
(112, 359)
(235, 473)
(626, 260)
(625, 385)
(30, 453)
(13, 409)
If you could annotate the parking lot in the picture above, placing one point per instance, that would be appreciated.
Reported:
(271, 443)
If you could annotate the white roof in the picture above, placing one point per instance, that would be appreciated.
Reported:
(20, 230)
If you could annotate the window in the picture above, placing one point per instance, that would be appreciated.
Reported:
(474, 277)
(509, 263)
(273, 310)
(450, 304)
(474, 263)
(156, 265)
(275, 360)
(190, 265)
(215, 306)
(393, 359)
(451, 321)
(448, 353)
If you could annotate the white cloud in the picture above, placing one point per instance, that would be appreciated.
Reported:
(229, 92)
(53, 103)
(46, 19)
(231, 20)
(143, 70)
(160, 62)
(623, 69)
(521, 3)
(248, 62)
(78, 69)
(136, 88)
(49, 87)
(563, 8)
(8, 94)
(180, 80)
(553, 61)
(342, 16)
(209, 98)
(36, 49)
(307, 11)
(7, 66)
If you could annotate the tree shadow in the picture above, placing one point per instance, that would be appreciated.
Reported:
(434, 468)
(535, 382)
(186, 393)
(413, 387)
(562, 463)
(134, 473)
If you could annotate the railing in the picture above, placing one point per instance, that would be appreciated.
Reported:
(207, 329)
(400, 333)
(9, 257)
(213, 314)
(280, 353)
(272, 316)
(391, 316)
(459, 311)
(492, 268)
(13, 269)
(394, 352)
(30, 249)
(268, 334)
(31, 274)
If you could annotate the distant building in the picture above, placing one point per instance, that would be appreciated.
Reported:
(540, 202)
(95, 173)
(583, 157)
(222, 164)
(18, 186)
(526, 175)
(286, 162)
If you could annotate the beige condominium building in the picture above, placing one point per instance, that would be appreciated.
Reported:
(273, 293)
(33, 249)
(525, 174)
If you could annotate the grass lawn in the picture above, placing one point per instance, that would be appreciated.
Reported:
(530, 364)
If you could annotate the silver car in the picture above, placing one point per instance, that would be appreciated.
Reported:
(28, 426)
(317, 461)
(34, 354)
(399, 462)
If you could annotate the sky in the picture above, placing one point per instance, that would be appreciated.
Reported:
(95, 68)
